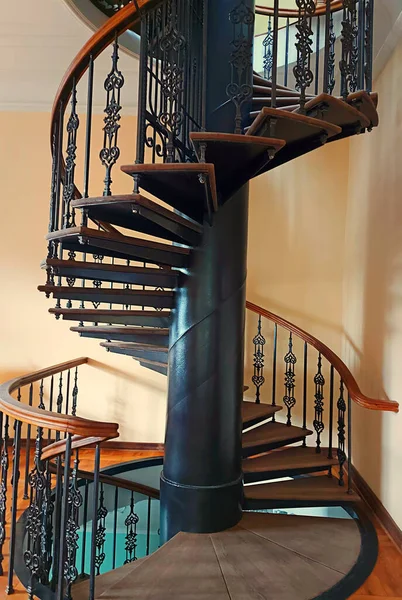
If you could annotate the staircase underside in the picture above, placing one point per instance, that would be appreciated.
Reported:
(266, 556)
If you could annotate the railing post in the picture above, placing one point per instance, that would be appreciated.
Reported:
(131, 534)
(302, 71)
(350, 477)
(3, 486)
(305, 365)
(272, 123)
(64, 520)
(368, 44)
(289, 399)
(341, 405)
(268, 54)
(318, 423)
(92, 573)
(331, 412)
(258, 378)
(71, 151)
(349, 61)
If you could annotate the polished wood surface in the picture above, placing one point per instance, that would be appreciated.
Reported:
(347, 377)
(294, 12)
(271, 433)
(289, 459)
(252, 413)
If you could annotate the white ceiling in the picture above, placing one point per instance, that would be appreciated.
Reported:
(38, 40)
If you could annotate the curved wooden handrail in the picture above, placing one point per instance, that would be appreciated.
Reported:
(47, 419)
(294, 12)
(347, 377)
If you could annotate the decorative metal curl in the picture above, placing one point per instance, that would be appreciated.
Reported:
(303, 74)
(341, 405)
(289, 398)
(258, 378)
(318, 423)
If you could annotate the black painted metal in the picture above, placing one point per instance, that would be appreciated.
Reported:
(268, 55)
(93, 567)
(302, 72)
(331, 409)
(289, 399)
(349, 61)
(318, 423)
(275, 61)
(341, 405)
(305, 365)
(14, 501)
(368, 44)
(258, 377)
(286, 71)
(3, 484)
(28, 447)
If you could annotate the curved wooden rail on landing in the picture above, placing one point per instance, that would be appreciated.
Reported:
(336, 5)
(85, 429)
(347, 377)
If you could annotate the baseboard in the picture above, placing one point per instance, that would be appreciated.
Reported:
(377, 508)
(144, 446)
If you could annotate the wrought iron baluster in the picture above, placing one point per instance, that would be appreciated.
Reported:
(47, 512)
(64, 520)
(115, 513)
(34, 524)
(14, 502)
(41, 404)
(75, 393)
(289, 399)
(68, 391)
(71, 154)
(131, 535)
(88, 133)
(341, 405)
(286, 71)
(368, 44)
(93, 567)
(110, 152)
(240, 89)
(303, 74)
(57, 522)
(74, 502)
(305, 370)
(100, 531)
(3, 487)
(329, 57)
(274, 358)
(149, 525)
(331, 412)
(28, 447)
(51, 392)
(272, 123)
(258, 378)
(349, 61)
(350, 475)
(84, 529)
(268, 43)
(317, 56)
(318, 423)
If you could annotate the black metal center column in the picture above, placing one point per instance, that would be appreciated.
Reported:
(201, 484)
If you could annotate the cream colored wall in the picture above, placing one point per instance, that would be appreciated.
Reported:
(373, 288)
(116, 388)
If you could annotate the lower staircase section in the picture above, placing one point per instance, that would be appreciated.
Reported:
(267, 556)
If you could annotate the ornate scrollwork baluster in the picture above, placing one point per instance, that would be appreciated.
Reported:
(341, 405)
(131, 535)
(47, 527)
(289, 398)
(110, 152)
(368, 44)
(71, 153)
(240, 89)
(101, 515)
(3, 488)
(318, 423)
(34, 525)
(72, 527)
(268, 45)
(303, 74)
(75, 394)
(41, 396)
(331, 57)
(258, 378)
(350, 50)
(59, 401)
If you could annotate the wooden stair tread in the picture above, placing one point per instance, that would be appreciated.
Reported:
(308, 536)
(139, 351)
(253, 413)
(112, 272)
(144, 335)
(149, 318)
(258, 80)
(135, 346)
(289, 459)
(290, 126)
(271, 433)
(178, 184)
(237, 158)
(263, 90)
(92, 241)
(364, 103)
(80, 590)
(304, 489)
(134, 211)
(337, 111)
(148, 361)
(243, 562)
(129, 297)
(142, 331)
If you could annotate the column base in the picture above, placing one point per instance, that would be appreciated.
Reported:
(194, 509)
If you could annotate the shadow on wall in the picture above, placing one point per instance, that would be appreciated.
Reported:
(373, 289)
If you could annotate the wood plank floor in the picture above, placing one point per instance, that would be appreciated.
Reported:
(384, 582)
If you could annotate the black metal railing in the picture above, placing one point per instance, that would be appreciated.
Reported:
(292, 369)
(59, 524)
(316, 47)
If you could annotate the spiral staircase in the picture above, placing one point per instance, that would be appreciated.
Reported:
(123, 275)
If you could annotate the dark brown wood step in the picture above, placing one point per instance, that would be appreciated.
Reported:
(189, 187)
(146, 318)
(366, 104)
(92, 241)
(139, 351)
(270, 436)
(127, 297)
(112, 273)
(237, 158)
(338, 112)
(258, 102)
(158, 367)
(253, 413)
(302, 134)
(304, 491)
(80, 590)
(287, 463)
(136, 212)
(146, 335)
(263, 90)
(258, 80)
